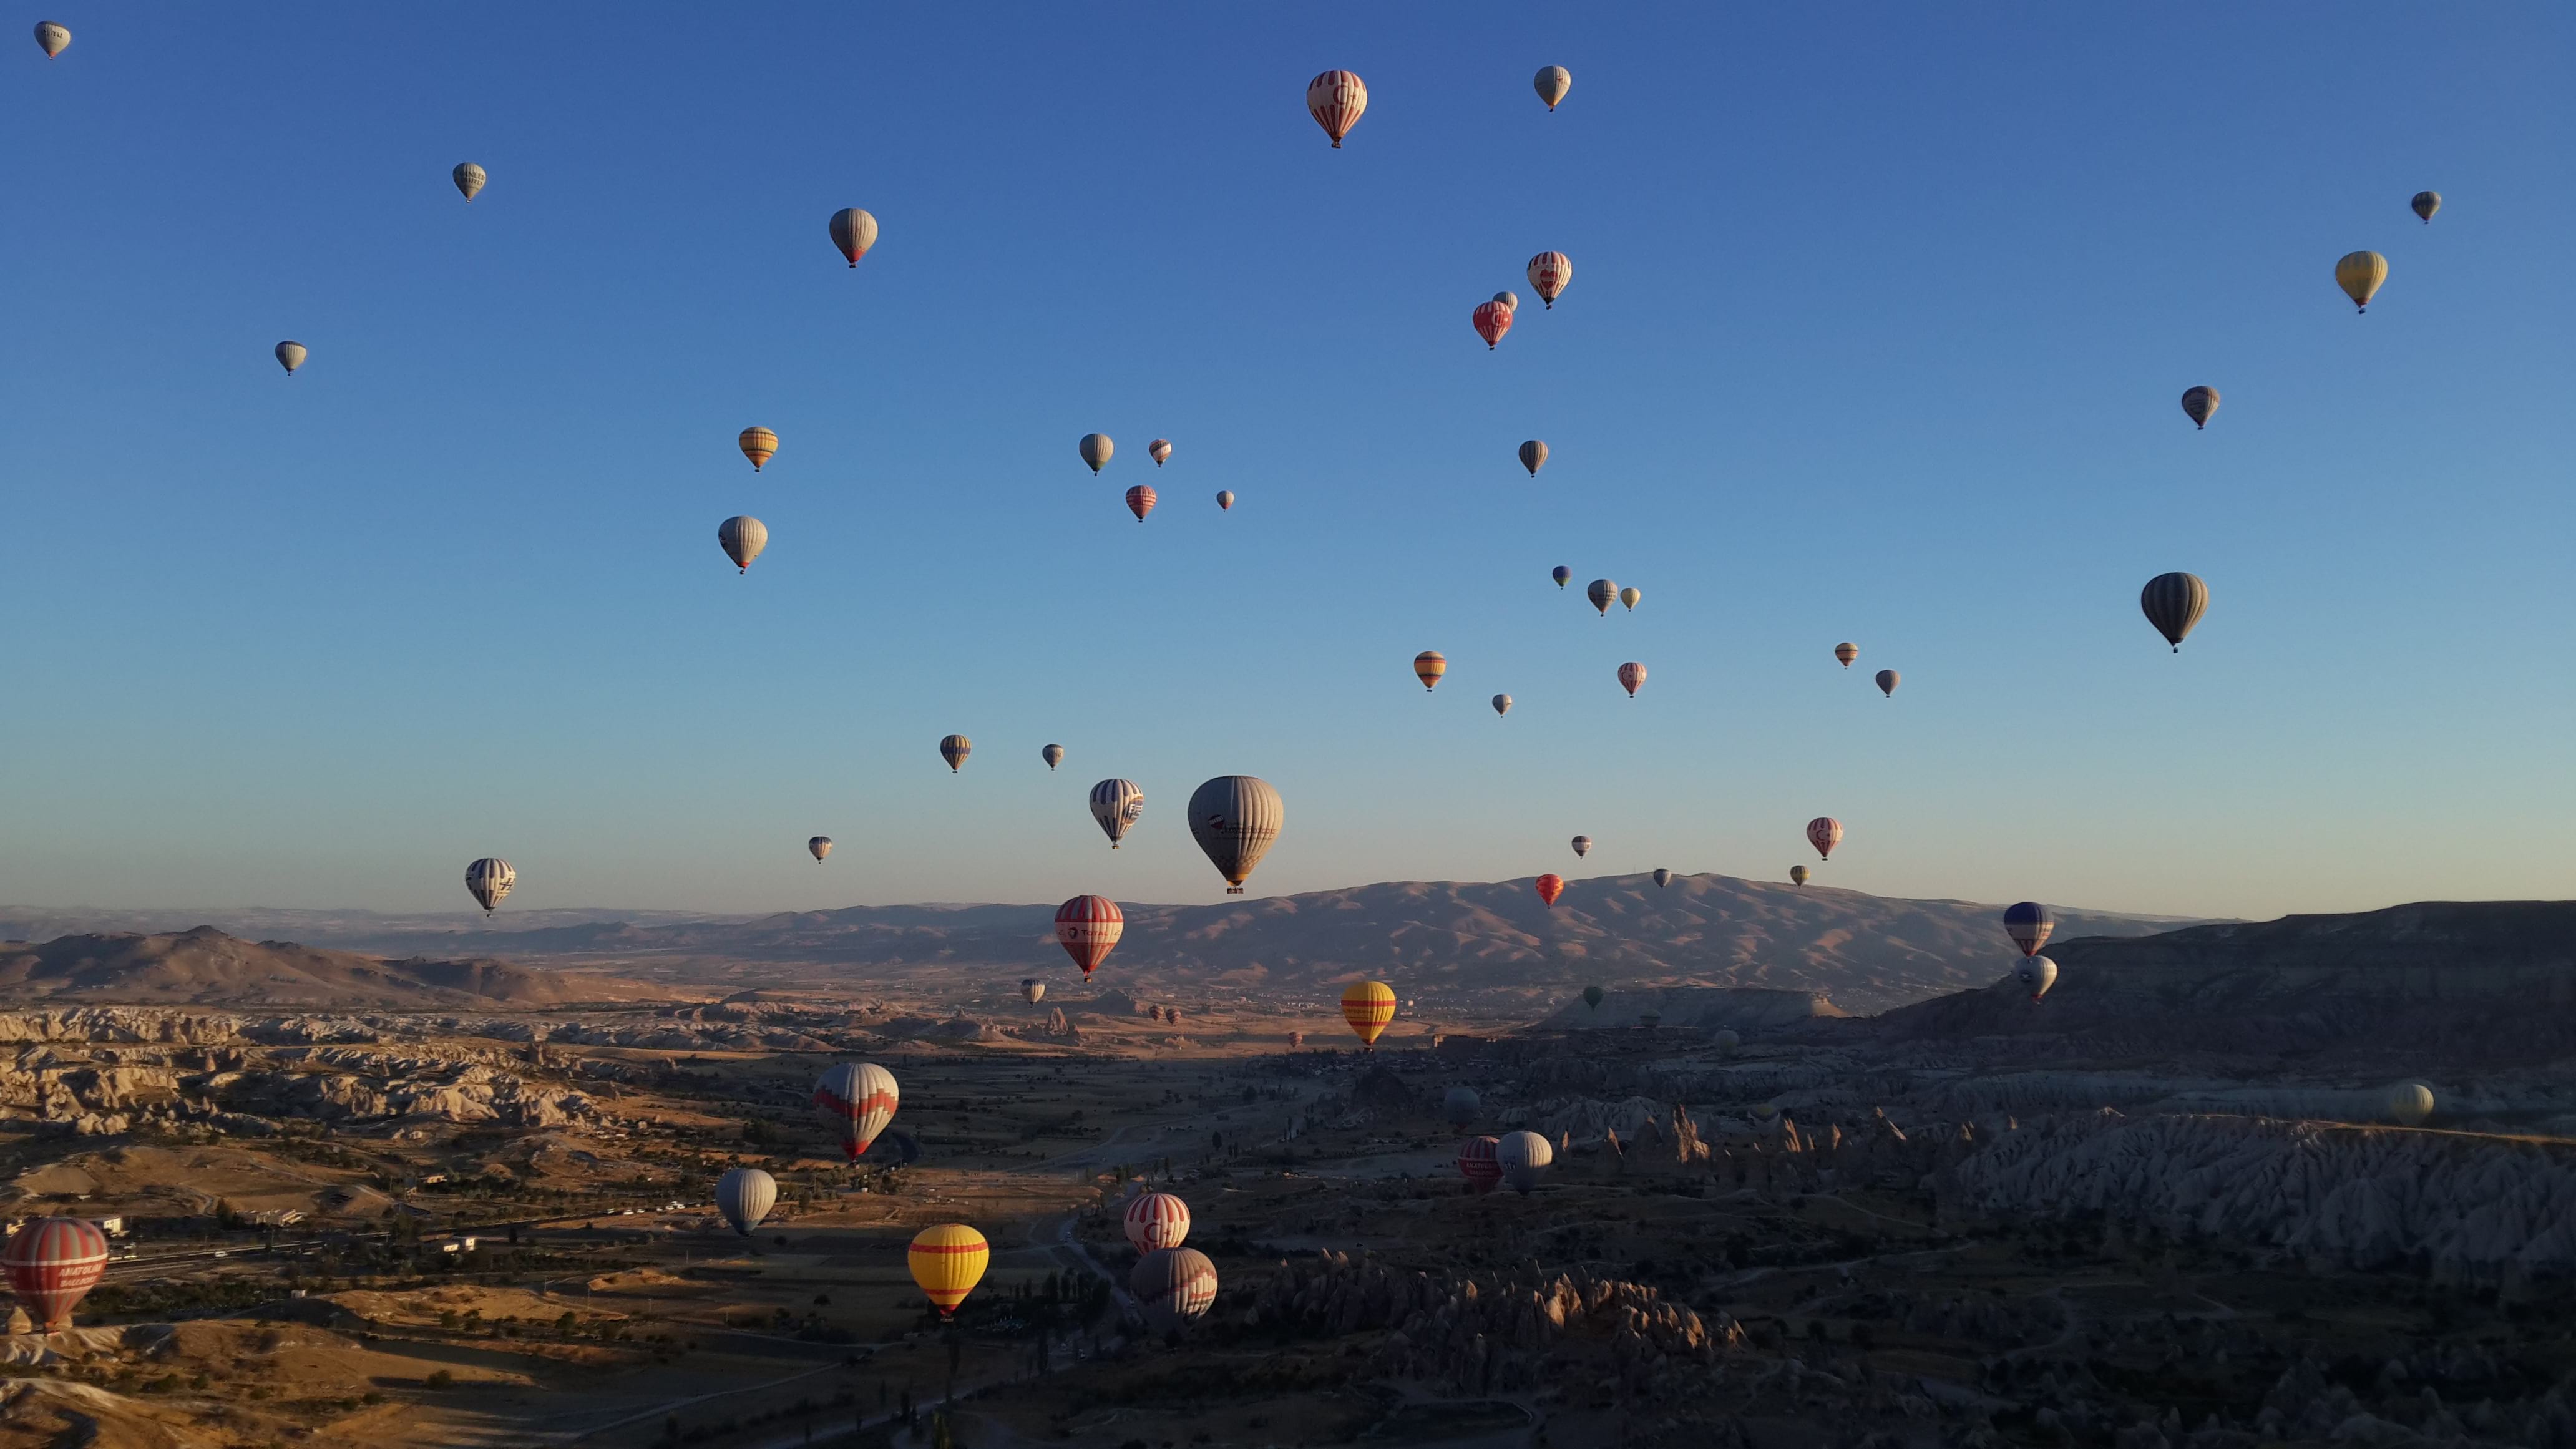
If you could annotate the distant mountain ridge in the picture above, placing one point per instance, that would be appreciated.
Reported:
(205, 967)
(1492, 940)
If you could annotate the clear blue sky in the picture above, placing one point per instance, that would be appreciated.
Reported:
(1879, 319)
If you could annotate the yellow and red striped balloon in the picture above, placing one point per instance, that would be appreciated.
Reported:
(1368, 1006)
(1428, 666)
(948, 1261)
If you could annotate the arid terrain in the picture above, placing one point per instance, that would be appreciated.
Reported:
(2169, 1206)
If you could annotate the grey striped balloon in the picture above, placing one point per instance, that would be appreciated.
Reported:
(1236, 819)
(2173, 603)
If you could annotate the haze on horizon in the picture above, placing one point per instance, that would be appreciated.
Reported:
(1877, 330)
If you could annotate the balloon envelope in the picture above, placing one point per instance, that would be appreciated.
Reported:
(1824, 833)
(1140, 501)
(1157, 1220)
(1629, 596)
(954, 749)
(2425, 203)
(1336, 99)
(856, 1100)
(1476, 1163)
(853, 232)
(1236, 819)
(1582, 846)
(1798, 874)
(2028, 923)
(1548, 273)
(1561, 574)
(1524, 1159)
(742, 537)
(1509, 299)
(1663, 877)
(2036, 974)
(489, 879)
(1173, 1287)
(1491, 320)
(1553, 82)
(52, 1263)
(1428, 666)
(2200, 404)
(1033, 989)
(1460, 1105)
(1592, 997)
(53, 38)
(1847, 653)
(2409, 1103)
(745, 1195)
(2360, 274)
(291, 355)
(2174, 603)
(947, 1262)
(1887, 681)
(1602, 593)
(1096, 450)
(1053, 755)
(469, 178)
(1117, 805)
(759, 445)
(1225, 498)
(1533, 456)
(1160, 450)
(1631, 674)
(1368, 1006)
(1087, 927)
(1502, 704)
(820, 845)
(1549, 887)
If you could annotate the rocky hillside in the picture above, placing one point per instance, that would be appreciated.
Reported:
(1868, 952)
(2487, 981)
(205, 967)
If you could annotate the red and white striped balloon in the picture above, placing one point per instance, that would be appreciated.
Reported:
(1335, 99)
(1157, 1220)
(1476, 1163)
(1492, 320)
(1087, 926)
(1631, 674)
(52, 1264)
(1824, 833)
(1548, 274)
(857, 1100)
(1140, 501)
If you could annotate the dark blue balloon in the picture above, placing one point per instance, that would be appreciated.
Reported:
(2028, 923)
(1561, 575)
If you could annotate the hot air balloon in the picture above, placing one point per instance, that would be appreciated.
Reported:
(1087, 927)
(1629, 596)
(1173, 1287)
(1824, 833)
(1096, 450)
(1847, 653)
(1524, 1159)
(1592, 996)
(1663, 877)
(1491, 321)
(1225, 498)
(1603, 594)
(1157, 1220)
(1631, 674)
(2036, 974)
(1160, 450)
(1561, 574)
(759, 445)
(1533, 456)
(742, 537)
(2425, 202)
(1553, 82)
(291, 355)
(2173, 603)
(954, 749)
(1428, 666)
(1798, 874)
(1053, 755)
(1117, 805)
(1336, 99)
(947, 1262)
(490, 879)
(1476, 1163)
(2407, 1103)
(1460, 1105)
(53, 38)
(745, 1195)
(1548, 274)
(1296, 1038)
(1032, 990)
(52, 1264)
(856, 1100)
(1509, 299)
(2200, 404)
(2360, 275)
(2028, 923)
(820, 845)
(1236, 819)
(1582, 846)
(1550, 886)
(469, 178)
(853, 232)
(1887, 681)
(1368, 1006)
(1140, 501)
(1502, 704)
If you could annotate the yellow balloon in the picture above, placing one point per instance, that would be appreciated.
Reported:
(948, 1261)
(2360, 275)
(759, 445)
(1368, 1006)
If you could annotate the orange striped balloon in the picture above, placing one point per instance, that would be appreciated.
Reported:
(1428, 666)
(1140, 501)
(1368, 1006)
(948, 1261)
(1631, 674)
(759, 445)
